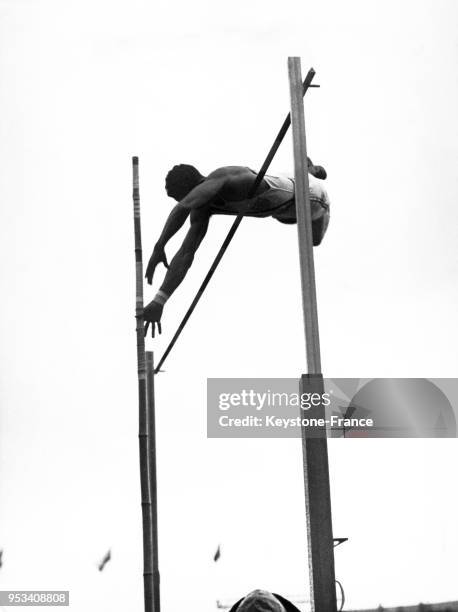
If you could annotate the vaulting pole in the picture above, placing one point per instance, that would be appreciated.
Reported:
(315, 450)
(145, 393)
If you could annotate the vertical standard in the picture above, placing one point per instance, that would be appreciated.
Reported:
(146, 425)
(315, 450)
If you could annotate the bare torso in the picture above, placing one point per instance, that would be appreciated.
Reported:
(233, 197)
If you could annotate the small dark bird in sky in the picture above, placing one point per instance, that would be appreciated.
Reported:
(217, 554)
(104, 561)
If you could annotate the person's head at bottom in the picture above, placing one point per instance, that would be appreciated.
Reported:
(263, 601)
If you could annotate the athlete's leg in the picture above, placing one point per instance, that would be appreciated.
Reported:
(320, 221)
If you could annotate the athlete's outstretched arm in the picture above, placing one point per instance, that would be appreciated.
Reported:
(182, 261)
(198, 198)
(175, 220)
(179, 266)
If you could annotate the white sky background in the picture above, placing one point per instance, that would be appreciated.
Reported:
(86, 85)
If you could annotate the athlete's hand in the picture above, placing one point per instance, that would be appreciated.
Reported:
(152, 316)
(157, 257)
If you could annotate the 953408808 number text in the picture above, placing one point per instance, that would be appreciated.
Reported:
(34, 598)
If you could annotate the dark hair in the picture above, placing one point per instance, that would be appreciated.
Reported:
(181, 180)
(288, 606)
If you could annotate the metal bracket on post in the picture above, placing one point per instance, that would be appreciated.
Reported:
(315, 450)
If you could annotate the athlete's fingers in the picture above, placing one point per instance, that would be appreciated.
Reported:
(146, 327)
(159, 327)
(150, 270)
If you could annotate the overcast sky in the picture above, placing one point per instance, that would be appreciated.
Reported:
(84, 86)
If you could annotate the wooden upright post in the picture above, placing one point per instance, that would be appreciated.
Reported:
(315, 450)
(145, 422)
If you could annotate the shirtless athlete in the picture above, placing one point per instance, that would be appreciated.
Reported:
(224, 192)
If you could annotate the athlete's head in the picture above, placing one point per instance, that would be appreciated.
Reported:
(181, 180)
